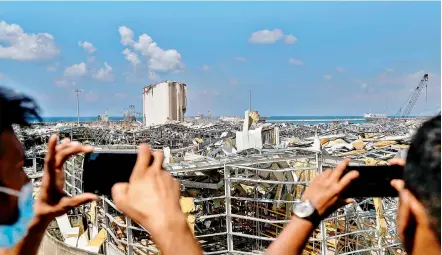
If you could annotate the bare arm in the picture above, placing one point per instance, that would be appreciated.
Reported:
(177, 238)
(323, 193)
(152, 198)
(293, 238)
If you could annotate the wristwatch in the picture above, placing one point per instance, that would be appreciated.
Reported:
(305, 210)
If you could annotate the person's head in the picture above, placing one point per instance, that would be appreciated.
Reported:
(14, 109)
(419, 209)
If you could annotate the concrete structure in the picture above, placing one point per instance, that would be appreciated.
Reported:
(164, 101)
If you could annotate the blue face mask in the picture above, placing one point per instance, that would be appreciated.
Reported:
(10, 235)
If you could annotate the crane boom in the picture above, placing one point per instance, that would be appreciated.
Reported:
(414, 96)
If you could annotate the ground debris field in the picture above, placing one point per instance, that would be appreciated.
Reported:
(240, 179)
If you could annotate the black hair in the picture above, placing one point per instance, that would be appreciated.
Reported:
(16, 108)
(422, 170)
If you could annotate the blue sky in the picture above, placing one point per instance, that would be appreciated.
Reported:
(316, 58)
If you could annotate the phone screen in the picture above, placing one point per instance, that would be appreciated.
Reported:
(373, 181)
(101, 170)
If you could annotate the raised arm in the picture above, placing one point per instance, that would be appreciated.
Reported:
(151, 198)
(319, 200)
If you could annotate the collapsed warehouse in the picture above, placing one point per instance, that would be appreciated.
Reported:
(237, 200)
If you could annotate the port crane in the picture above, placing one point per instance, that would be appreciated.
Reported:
(414, 96)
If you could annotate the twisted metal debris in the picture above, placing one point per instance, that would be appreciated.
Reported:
(239, 201)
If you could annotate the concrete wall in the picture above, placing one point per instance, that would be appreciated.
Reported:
(164, 101)
(52, 246)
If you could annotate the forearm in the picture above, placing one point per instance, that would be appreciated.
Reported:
(31, 242)
(178, 239)
(293, 238)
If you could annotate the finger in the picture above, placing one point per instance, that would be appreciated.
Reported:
(339, 170)
(347, 179)
(325, 175)
(416, 208)
(71, 202)
(50, 155)
(64, 143)
(396, 161)
(143, 160)
(119, 191)
(403, 214)
(157, 164)
(398, 184)
(72, 149)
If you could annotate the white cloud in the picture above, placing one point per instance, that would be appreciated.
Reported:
(266, 36)
(87, 46)
(295, 61)
(364, 85)
(340, 69)
(76, 70)
(127, 35)
(158, 59)
(233, 82)
(104, 74)
(241, 59)
(290, 39)
(131, 56)
(205, 68)
(328, 77)
(417, 76)
(2, 75)
(15, 44)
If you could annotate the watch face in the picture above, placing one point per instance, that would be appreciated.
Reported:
(303, 209)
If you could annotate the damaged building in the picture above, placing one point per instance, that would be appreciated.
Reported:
(164, 101)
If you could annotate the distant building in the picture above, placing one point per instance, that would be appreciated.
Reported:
(164, 101)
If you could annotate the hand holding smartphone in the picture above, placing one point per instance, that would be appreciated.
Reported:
(373, 181)
(102, 169)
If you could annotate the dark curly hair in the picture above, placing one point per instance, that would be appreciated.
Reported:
(16, 108)
(422, 170)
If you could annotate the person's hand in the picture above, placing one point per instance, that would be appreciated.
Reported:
(52, 200)
(397, 161)
(323, 192)
(151, 197)
(396, 183)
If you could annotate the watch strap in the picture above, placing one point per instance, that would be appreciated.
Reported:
(314, 218)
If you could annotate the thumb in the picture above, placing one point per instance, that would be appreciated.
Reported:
(71, 202)
(119, 191)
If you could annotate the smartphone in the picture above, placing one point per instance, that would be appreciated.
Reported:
(102, 169)
(373, 181)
